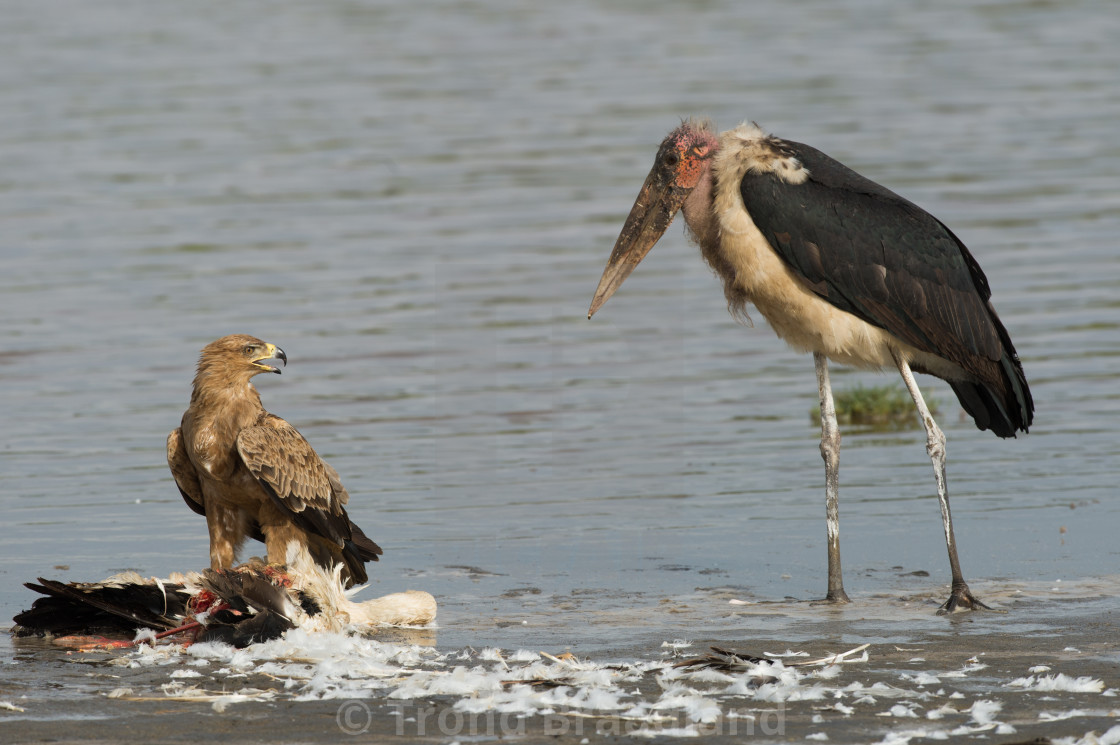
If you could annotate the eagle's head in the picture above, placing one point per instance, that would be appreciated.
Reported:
(238, 357)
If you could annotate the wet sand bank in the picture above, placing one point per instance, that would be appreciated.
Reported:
(1038, 667)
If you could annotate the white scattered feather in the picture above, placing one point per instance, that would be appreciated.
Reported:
(899, 710)
(1059, 682)
(709, 675)
(903, 737)
(787, 653)
(1057, 716)
(1111, 737)
(184, 673)
(828, 672)
(694, 706)
(145, 635)
(785, 692)
(490, 654)
(941, 711)
(835, 659)
(221, 703)
(984, 711)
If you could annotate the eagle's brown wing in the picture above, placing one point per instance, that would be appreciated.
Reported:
(279, 456)
(304, 486)
(186, 478)
(365, 549)
(336, 483)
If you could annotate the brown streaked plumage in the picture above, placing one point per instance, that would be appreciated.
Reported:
(843, 268)
(253, 475)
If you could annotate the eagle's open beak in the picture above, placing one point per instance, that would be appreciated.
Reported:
(274, 353)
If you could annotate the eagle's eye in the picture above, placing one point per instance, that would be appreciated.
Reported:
(249, 349)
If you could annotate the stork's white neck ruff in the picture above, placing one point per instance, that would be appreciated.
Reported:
(759, 152)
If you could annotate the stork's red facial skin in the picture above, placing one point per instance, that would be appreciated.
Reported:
(685, 152)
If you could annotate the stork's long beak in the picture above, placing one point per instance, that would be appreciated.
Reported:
(657, 204)
(274, 353)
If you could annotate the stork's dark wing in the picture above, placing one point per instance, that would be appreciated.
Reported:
(869, 252)
(186, 478)
(872, 253)
(301, 483)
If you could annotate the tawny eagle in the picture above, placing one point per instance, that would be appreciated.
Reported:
(253, 475)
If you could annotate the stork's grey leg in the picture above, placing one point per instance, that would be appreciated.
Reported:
(830, 451)
(960, 598)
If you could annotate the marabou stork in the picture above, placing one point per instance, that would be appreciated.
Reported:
(844, 268)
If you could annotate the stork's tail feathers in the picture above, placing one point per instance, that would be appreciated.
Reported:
(1005, 408)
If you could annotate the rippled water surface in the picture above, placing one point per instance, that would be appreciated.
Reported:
(415, 200)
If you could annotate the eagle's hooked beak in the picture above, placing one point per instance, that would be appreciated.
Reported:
(272, 352)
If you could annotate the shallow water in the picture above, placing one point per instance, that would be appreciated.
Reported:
(416, 201)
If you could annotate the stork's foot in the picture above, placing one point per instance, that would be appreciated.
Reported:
(834, 597)
(960, 599)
